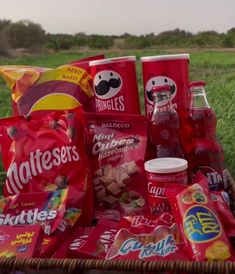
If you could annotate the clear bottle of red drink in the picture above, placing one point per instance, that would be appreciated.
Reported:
(203, 151)
(164, 125)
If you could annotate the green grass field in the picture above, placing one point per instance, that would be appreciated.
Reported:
(217, 68)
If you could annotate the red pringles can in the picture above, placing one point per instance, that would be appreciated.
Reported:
(172, 70)
(115, 85)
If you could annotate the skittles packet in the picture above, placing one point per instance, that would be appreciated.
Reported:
(200, 224)
(147, 237)
(47, 153)
(43, 208)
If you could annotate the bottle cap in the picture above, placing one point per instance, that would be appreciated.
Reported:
(161, 88)
(166, 165)
(197, 84)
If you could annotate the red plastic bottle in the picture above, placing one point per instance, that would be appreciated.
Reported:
(164, 125)
(203, 151)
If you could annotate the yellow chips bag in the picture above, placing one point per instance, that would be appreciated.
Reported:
(38, 88)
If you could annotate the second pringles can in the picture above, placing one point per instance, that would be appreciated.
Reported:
(115, 85)
(172, 70)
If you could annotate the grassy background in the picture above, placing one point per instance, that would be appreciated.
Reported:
(217, 68)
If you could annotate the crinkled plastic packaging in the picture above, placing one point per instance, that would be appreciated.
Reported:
(39, 88)
(99, 240)
(43, 208)
(200, 224)
(116, 146)
(147, 237)
(51, 243)
(47, 153)
(22, 242)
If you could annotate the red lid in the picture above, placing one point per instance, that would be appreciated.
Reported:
(161, 88)
(197, 84)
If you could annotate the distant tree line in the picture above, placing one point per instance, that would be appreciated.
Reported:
(27, 34)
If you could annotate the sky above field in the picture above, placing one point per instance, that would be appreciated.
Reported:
(122, 16)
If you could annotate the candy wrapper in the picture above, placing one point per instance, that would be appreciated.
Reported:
(44, 208)
(20, 241)
(52, 242)
(147, 237)
(221, 203)
(116, 146)
(199, 222)
(70, 247)
(37, 88)
(99, 240)
(47, 153)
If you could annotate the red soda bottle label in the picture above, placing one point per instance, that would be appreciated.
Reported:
(203, 151)
(164, 125)
(214, 178)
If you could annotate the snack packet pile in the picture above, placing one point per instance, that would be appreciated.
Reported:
(75, 183)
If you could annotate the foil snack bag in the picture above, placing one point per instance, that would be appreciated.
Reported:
(74, 242)
(20, 241)
(47, 153)
(221, 202)
(39, 88)
(52, 243)
(98, 241)
(199, 222)
(147, 237)
(116, 146)
(40, 209)
(43, 208)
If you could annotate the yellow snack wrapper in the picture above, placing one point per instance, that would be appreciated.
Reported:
(38, 88)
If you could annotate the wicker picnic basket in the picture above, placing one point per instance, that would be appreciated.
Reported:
(57, 266)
